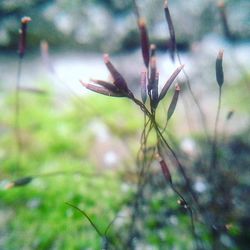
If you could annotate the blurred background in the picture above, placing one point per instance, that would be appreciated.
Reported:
(81, 148)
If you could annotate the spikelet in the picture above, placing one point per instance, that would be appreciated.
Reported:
(172, 42)
(169, 82)
(173, 103)
(219, 69)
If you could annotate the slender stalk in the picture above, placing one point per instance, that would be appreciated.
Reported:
(88, 218)
(179, 165)
(189, 209)
(214, 144)
(201, 113)
(143, 165)
(183, 201)
(173, 51)
(17, 112)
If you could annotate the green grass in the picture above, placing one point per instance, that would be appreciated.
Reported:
(59, 139)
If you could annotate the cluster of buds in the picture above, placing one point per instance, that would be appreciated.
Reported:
(117, 88)
(149, 84)
(149, 77)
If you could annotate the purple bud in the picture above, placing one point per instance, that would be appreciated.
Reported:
(172, 44)
(22, 39)
(101, 90)
(144, 41)
(119, 81)
(219, 69)
(165, 169)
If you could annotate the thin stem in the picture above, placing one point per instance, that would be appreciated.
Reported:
(179, 165)
(165, 127)
(141, 179)
(17, 111)
(153, 123)
(87, 217)
(142, 106)
(202, 116)
(183, 201)
(214, 144)
(190, 213)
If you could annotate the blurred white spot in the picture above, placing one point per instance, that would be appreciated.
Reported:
(33, 203)
(4, 37)
(188, 146)
(64, 23)
(173, 220)
(100, 131)
(125, 187)
(200, 186)
(110, 158)
(4, 183)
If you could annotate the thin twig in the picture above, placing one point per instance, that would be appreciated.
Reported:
(17, 111)
(214, 144)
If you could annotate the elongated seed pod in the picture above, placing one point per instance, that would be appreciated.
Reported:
(165, 170)
(169, 82)
(101, 90)
(172, 43)
(154, 77)
(23, 181)
(155, 91)
(144, 41)
(219, 68)
(107, 85)
(144, 86)
(119, 81)
(19, 182)
(22, 38)
(152, 71)
(173, 103)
